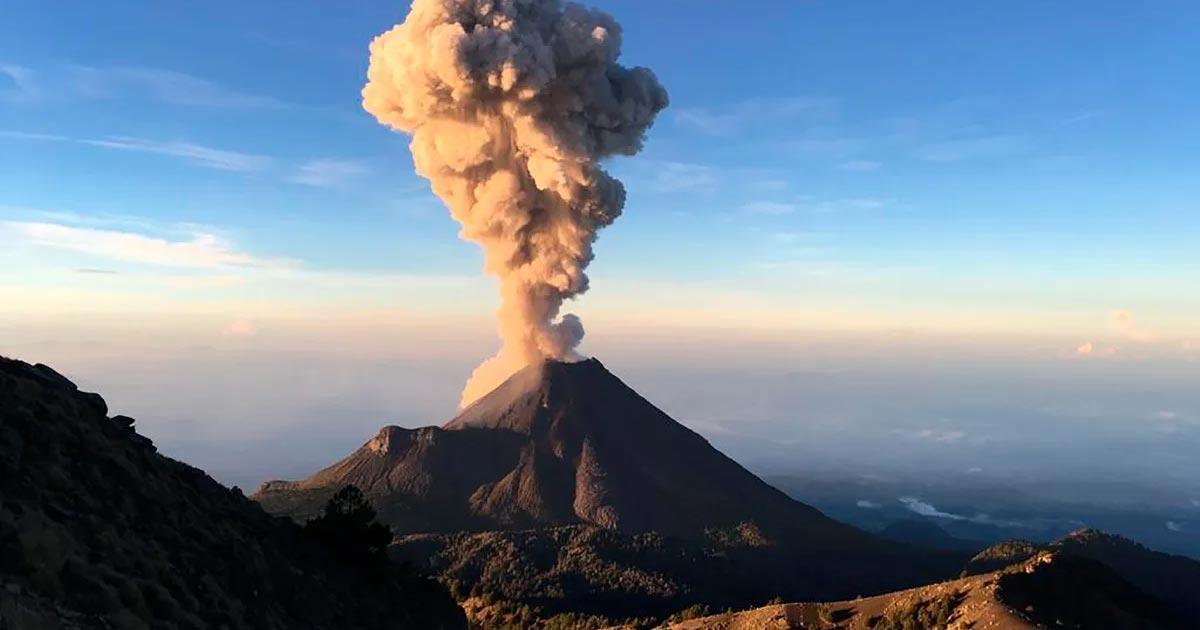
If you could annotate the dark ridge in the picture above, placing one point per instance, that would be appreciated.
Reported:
(1172, 580)
(98, 530)
(1070, 591)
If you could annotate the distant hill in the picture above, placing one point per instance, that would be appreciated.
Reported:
(568, 445)
(579, 569)
(1174, 580)
(927, 534)
(1049, 590)
(98, 530)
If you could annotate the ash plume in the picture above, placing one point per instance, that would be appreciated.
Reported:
(511, 105)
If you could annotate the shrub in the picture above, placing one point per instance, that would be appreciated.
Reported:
(347, 527)
(920, 615)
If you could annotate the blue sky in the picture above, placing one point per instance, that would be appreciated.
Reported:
(1015, 179)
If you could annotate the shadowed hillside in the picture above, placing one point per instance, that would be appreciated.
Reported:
(1173, 580)
(98, 530)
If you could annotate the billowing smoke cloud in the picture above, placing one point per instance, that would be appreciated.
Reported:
(511, 104)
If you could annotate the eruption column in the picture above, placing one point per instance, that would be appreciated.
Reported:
(511, 105)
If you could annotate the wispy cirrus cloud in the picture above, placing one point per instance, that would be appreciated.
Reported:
(941, 436)
(198, 154)
(806, 203)
(923, 508)
(16, 83)
(859, 166)
(201, 155)
(328, 172)
(70, 82)
(1080, 118)
(843, 147)
(737, 117)
(200, 250)
(771, 208)
(672, 177)
(985, 147)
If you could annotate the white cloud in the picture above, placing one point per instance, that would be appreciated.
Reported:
(195, 153)
(736, 118)
(1175, 526)
(918, 506)
(1123, 321)
(988, 147)
(860, 166)
(808, 204)
(681, 176)
(923, 508)
(321, 172)
(786, 238)
(327, 172)
(867, 505)
(835, 148)
(80, 82)
(768, 184)
(202, 250)
(220, 281)
(857, 203)
(198, 154)
(29, 135)
(940, 436)
(1171, 421)
(16, 83)
(768, 207)
(1081, 117)
(1091, 350)
(239, 328)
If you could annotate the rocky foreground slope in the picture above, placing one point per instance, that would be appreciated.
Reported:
(98, 530)
(1049, 590)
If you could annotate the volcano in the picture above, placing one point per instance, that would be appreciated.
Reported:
(570, 444)
(559, 444)
(566, 477)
